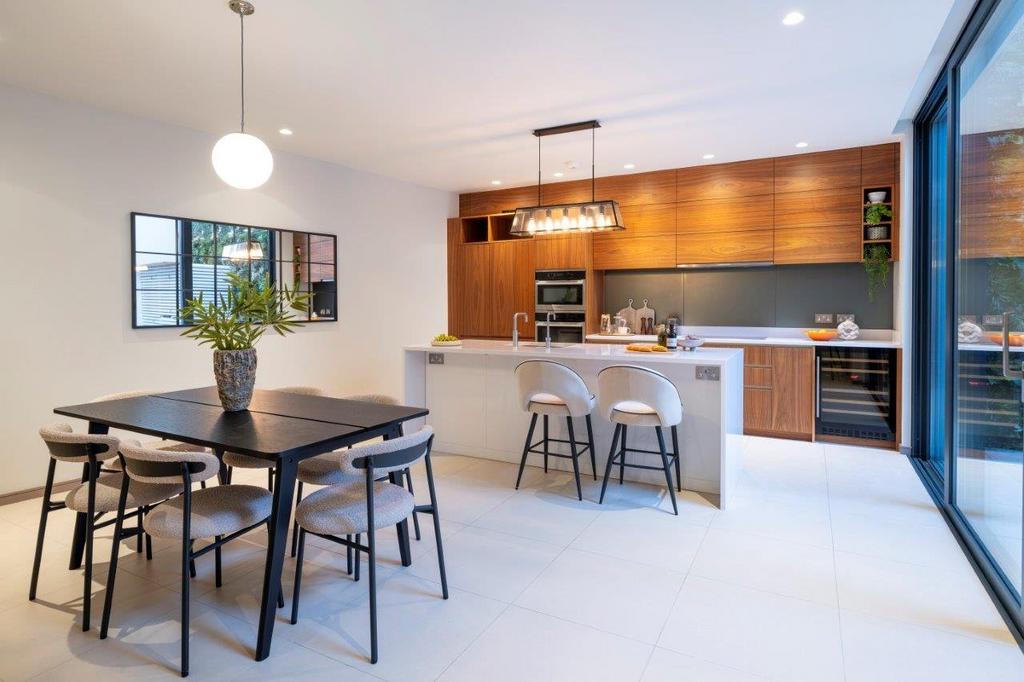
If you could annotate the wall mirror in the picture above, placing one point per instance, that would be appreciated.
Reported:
(173, 259)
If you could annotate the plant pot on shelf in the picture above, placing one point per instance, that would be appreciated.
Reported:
(876, 232)
(235, 371)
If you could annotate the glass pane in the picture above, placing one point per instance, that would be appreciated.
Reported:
(156, 235)
(938, 319)
(156, 271)
(321, 249)
(156, 308)
(990, 283)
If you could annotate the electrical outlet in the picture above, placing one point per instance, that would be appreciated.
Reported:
(994, 320)
(822, 318)
(843, 317)
(708, 373)
(435, 358)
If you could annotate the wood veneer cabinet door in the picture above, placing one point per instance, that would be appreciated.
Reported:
(498, 201)
(819, 170)
(524, 286)
(456, 304)
(657, 187)
(725, 180)
(644, 221)
(733, 214)
(725, 247)
(561, 252)
(476, 281)
(757, 410)
(878, 165)
(793, 391)
(502, 291)
(819, 226)
(632, 253)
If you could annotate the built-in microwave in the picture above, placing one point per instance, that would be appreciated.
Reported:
(560, 291)
(564, 327)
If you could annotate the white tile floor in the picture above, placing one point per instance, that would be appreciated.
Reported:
(833, 565)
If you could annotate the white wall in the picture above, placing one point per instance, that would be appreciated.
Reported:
(70, 175)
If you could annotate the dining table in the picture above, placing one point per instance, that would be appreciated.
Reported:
(283, 428)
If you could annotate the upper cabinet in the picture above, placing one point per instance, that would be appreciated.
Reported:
(878, 165)
(725, 180)
(818, 170)
(658, 187)
(561, 252)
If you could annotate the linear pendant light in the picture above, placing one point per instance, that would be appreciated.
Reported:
(587, 216)
(242, 160)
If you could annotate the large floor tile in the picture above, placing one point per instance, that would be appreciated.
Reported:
(613, 595)
(646, 536)
(926, 544)
(488, 563)
(882, 650)
(794, 522)
(541, 515)
(787, 568)
(757, 632)
(668, 666)
(946, 599)
(525, 645)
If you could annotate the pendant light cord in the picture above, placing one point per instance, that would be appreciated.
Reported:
(538, 171)
(593, 191)
(241, 18)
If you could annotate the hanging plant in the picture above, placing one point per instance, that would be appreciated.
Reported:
(876, 264)
(876, 213)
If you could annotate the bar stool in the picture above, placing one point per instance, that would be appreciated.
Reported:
(237, 459)
(549, 389)
(637, 396)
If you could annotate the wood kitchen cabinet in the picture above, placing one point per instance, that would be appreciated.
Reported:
(561, 252)
(635, 252)
(488, 282)
(726, 180)
(819, 226)
(839, 168)
(725, 247)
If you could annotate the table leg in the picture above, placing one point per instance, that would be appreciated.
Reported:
(222, 472)
(280, 517)
(78, 537)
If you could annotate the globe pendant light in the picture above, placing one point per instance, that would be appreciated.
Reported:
(240, 159)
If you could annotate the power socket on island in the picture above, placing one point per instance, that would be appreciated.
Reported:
(822, 318)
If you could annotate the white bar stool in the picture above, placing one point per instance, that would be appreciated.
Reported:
(637, 396)
(549, 389)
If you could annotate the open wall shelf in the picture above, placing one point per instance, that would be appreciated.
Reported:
(883, 233)
(487, 228)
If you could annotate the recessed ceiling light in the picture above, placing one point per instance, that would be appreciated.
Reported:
(801, 145)
(495, 182)
(558, 174)
(709, 156)
(629, 166)
(285, 131)
(792, 19)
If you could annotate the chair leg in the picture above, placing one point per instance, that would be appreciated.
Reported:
(545, 444)
(575, 458)
(590, 440)
(675, 450)
(622, 454)
(138, 538)
(359, 541)
(90, 523)
(295, 524)
(187, 565)
(47, 491)
(108, 597)
(298, 576)
(668, 469)
(191, 565)
(611, 461)
(437, 526)
(229, 475)
(270, 480)
(371, 560)
(526, 448)
(348, 556)
(415, 519)
(216, 562)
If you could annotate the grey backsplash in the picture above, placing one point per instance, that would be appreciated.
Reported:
(775, 296)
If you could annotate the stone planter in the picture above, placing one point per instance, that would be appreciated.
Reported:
(235, 371)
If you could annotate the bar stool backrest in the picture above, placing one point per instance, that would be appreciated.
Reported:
(628, 383)
(544, 376)
(149, 465)
(396, 454)
(67, 446)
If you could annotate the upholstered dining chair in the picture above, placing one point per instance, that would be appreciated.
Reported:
(366, 503)
(221, 513)
(237, 460)
(98, 494)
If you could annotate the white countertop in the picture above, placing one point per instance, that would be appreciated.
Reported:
(761, 336)
(583, 351)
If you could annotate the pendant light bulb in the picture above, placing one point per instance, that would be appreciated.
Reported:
(242, 160)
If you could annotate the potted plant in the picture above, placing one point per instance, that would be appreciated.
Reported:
(873, 216)
(876, 264)
(234, 323)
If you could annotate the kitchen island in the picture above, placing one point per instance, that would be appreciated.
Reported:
(471, 393)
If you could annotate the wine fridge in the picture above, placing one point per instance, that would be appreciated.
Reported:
(856, 393)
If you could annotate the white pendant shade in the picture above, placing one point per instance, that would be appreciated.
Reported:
(242, 160)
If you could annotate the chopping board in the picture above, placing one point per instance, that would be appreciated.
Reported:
(629, 315)
(645, 319)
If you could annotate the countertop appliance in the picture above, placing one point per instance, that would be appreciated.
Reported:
(856, 393)
(565, 327)
(560, 291)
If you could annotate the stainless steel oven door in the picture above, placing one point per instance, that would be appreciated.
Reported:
(561, 332)
(563, 296)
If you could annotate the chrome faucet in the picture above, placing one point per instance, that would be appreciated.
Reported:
(515, 328)
(547, 331)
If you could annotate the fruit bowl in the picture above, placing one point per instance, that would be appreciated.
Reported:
(821, 334)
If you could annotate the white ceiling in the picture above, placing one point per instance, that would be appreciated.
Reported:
(445, 93)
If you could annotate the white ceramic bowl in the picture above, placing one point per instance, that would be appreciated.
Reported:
(877, 197)
(690, 342)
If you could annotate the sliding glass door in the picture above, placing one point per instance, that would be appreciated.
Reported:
(969, 293)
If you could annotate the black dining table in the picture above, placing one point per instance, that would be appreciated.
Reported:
(283, 428)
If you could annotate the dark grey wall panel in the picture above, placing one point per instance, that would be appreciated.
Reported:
(777, 296)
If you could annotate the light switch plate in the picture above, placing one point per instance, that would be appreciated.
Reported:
(708, 373)
(843, 317)
(435, 358)
(822, 318)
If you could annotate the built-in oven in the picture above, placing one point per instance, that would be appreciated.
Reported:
(560, 291)
(564, 327)
(856, 393)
